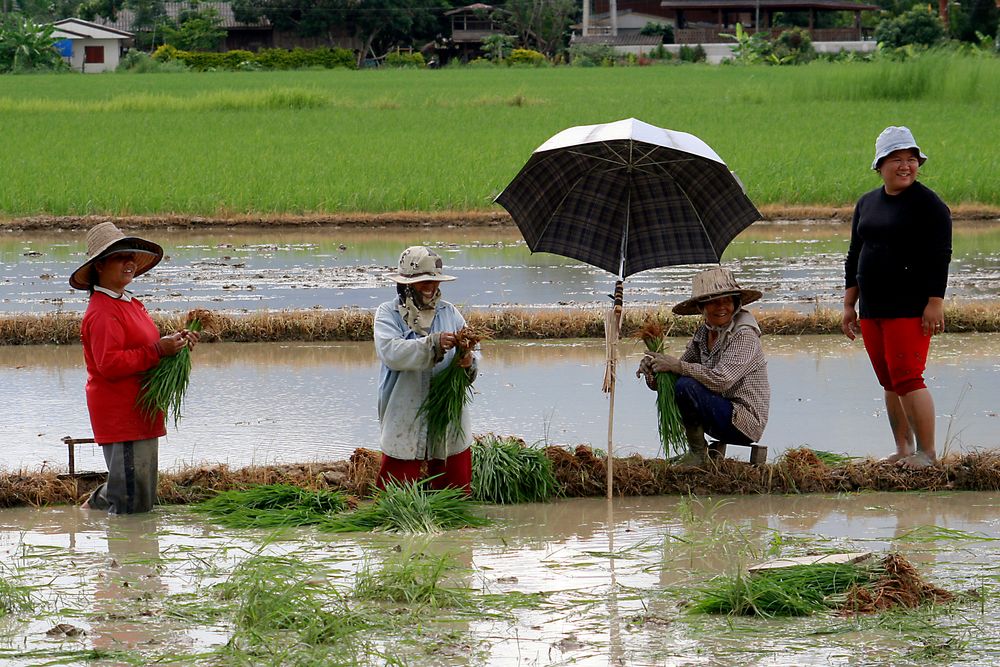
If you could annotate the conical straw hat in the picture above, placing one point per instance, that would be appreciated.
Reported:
(106, 239)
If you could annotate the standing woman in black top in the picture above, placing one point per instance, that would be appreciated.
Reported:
(897, 265)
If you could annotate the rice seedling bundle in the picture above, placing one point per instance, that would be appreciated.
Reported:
(799, 590)
(449, 393)
(669, 423)
(408, 507)
(272, 506)
(505, 471)
(163, 387)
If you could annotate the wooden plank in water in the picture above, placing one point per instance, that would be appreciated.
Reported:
(820, 559)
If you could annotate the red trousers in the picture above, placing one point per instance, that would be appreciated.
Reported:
(454, 471)
(897, 348)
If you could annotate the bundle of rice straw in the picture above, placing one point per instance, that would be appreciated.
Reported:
(163, 387)
(669, 423)
(450, 392)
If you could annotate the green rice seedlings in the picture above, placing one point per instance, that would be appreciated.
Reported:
(163, 387)
(506, 471)
(669, 424)
(275, 595)
(272, 506)
(450, 392)
(832, 459)
(412, 578)
(408, 507)
(799, 590)
(13, 597)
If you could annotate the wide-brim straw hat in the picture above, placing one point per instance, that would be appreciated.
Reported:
(419, 263)
(711, 284)
(893, 139)
(106, 239)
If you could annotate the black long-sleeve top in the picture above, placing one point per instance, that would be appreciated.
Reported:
(900, 251)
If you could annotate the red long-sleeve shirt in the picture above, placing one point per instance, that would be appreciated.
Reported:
(119, 344)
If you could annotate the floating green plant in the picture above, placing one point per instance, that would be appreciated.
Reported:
(506, 471)
(409, 507)
(272, 506)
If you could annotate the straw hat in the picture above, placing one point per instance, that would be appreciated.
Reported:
(105, 239)
(895, 139)
(418, 263)
(711, 284)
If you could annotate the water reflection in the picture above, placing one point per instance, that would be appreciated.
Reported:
(798, 265)
(614, 578)
(270, 402)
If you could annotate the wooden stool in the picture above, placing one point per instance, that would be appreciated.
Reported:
(758, 453)
(71, 444)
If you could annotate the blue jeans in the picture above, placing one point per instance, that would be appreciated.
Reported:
(700, 407)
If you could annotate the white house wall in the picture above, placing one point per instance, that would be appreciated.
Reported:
(112, 49)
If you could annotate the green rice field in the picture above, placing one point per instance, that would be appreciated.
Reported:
(275, 143)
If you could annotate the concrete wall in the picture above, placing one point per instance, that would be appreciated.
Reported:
(716, 53)
(112, 53)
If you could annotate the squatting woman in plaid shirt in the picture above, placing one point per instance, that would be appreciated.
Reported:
(722, 389)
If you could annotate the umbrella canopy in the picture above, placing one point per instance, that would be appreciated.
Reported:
(628, 196)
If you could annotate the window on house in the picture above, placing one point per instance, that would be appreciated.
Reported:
(93, 54)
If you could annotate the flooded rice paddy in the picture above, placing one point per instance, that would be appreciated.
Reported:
(293, 403)
(798, 265)
(582, 582)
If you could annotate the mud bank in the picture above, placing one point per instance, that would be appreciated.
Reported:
(580, 473)
(352, 324)
(473, 218)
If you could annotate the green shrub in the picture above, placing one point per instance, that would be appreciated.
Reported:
(401, 59)
(525, 57)
(165, 53)
(140, 62)
(591, 55)
(793, 47)
(689, 54)
(268, 59)
(920, 27)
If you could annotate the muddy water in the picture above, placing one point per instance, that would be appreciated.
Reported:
(614, 578)
(266, 403)
(799, 265)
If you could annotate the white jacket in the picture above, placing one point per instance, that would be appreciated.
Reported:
(408, 362)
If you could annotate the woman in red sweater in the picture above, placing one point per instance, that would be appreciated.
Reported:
(120, 343)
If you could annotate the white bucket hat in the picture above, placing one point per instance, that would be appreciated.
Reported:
(105, 239)
(419, 263)
(711, 284)
(895, 139)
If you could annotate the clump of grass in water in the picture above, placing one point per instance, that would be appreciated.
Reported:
(449, 393)
(164, 386)
(799, 590)
(412, 579)
(274, 596)
(668, 418)
(408, 507)
(505, 471)
(272, 506)
(14, 598)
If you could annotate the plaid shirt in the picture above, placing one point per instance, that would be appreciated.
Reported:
(735, 369)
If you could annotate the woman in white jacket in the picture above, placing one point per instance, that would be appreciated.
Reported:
(415, 338)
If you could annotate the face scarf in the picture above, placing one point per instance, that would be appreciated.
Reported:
(417, 314)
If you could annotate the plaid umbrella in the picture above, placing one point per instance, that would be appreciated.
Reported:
(625, 197)
(628, 196)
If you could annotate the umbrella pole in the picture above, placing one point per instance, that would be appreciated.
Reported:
(615, 322)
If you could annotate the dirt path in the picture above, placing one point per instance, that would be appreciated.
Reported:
(478, 218)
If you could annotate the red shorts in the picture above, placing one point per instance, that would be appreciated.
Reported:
(454, 471)
(897, 348)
